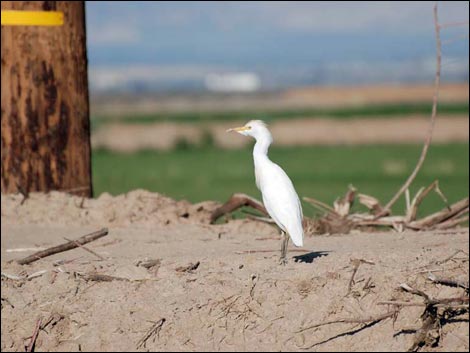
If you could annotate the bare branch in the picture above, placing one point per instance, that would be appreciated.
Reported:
(364, 320)
(64, 247)
(235, 202)
(319, 204)
(447, 281)
(447, 213)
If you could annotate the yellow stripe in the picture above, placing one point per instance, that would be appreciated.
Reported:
(32, 18)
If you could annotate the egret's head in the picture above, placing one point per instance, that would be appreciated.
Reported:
(254, 128)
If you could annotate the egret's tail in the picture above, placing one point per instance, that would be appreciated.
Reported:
(297, 236)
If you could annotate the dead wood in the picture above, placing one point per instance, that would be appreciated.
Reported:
(34, 337)
(356, 263)
(319, 204)
(371, 203)
(364, 320)
(450, 302)
(332, 223)
(64, 247)
(53, 319)
(420, 195)
(235, 202)
(448, 281)
(400, 303)
(451, 223)
(447, 213)
(448, 217)
(148, 263)
(86, 249)
(343, 205)
(189, 268)
(429, 333)
(98, 277)
(154, 331)
(441, 262)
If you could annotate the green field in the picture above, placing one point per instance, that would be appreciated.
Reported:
(382, 110)
(324, 173)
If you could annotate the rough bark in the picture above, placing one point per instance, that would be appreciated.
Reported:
(45, 138)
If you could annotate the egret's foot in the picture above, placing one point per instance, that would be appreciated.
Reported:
(283, 261)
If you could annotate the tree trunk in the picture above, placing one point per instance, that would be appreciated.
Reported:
(45, 138)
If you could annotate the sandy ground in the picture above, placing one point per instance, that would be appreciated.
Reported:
(237, 299)
(292, 132)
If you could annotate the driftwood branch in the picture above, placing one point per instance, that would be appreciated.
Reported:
(235, 202)
(448, 217)
(412, 211)
(430, 331)
(447, 213)
(448, 281)
(64, 247)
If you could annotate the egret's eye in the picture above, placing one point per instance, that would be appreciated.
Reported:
(248, 127)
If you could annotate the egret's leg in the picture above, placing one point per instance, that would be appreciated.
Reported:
(284, 244)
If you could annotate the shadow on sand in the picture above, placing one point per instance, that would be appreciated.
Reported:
(309, 257)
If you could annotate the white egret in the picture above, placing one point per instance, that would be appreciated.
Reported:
(279, 196)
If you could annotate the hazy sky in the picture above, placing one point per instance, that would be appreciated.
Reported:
(285, 43)
(247, 33)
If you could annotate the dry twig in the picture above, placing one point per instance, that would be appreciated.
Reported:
(356, 263)
(365, 320)
(447, 281)
(102, 278)
(34, 337)
(64, 247)
(189, 268)
(154, 331)
(319, 204)
(86, 249)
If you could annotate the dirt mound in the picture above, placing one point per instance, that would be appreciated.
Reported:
(135, 207)
(215, 287)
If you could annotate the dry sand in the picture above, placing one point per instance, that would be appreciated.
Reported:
(233, 300)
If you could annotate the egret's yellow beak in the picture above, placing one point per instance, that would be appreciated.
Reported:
(239, 129)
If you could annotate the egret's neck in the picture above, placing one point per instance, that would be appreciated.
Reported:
(260, 151)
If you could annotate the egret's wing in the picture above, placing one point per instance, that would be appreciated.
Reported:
(282, 203)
